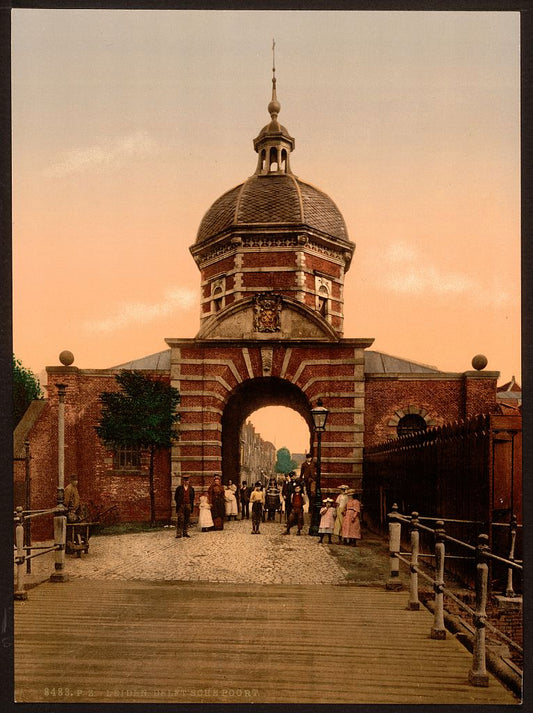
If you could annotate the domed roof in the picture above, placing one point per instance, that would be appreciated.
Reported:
(275, 199)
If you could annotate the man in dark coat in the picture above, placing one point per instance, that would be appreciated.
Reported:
(308, 474)
(287, 492)
(184, 497)
(244, 496)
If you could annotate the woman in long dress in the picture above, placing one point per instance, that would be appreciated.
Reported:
(231, 501)
(341, 501)
(216, 499)
(205, 521)
(351, 526)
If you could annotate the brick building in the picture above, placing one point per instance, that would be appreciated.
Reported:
(272, 253)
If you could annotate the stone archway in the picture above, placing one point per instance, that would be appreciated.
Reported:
(248, 397)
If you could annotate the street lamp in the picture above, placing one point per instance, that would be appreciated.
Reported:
(60, 520)
(320, 416)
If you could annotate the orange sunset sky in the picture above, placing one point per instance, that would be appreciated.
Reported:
(127, 125)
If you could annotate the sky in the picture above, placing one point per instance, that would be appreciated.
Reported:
(128, 125)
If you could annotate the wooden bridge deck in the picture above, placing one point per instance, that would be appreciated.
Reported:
(139, 641)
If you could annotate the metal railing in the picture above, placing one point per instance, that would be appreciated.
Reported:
(25, 552)
(480, 555)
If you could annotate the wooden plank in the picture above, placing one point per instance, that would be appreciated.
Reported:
(168, 642)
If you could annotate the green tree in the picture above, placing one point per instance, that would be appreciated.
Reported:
(142, 415)
(26, 388)
(284, 462)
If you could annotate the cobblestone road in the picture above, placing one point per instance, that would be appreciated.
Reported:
(230, 555)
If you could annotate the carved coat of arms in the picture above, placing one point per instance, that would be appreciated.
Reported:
(267, 312)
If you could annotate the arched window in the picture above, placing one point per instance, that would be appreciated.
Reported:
(273, 161)
(217, 299)
(411, 423)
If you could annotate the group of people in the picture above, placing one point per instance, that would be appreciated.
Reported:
(340, 517)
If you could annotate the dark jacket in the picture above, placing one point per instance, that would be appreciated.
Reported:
(180, 492)
(244, 494)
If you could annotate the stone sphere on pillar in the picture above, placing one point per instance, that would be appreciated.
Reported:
(66, 358)
(479, 362)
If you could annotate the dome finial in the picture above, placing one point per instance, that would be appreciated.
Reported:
(274, 106)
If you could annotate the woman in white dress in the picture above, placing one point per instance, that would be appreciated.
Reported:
(341, 502)
(231, 501)
(205, 520)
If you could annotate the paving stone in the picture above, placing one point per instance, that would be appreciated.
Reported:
(230, 555)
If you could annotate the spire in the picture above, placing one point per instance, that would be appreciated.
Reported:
(274, 142)
(274, 106)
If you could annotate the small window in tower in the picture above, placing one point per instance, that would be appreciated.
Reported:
(323, 300)
(283, 165)
(218, 298)
(273, 160)
(263, 157)
(411, 424)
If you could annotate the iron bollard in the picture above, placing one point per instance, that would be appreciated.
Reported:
(20, 592)
(478, 673)
(414, 603)
(509, 592)
(60, 539)
(438, 630)
(395, 533)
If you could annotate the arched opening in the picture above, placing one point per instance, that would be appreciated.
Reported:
(273, 161)
(411, 423)
(247, 398)
(265, 433)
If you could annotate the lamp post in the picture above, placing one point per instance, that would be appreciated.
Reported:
(320, 416)
(60, 520)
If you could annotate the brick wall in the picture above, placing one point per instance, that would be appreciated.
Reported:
(99, 484)
(442, 398)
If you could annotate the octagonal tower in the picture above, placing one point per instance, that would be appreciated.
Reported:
(274, 233)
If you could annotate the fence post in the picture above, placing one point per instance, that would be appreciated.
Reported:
(60, 539)
(509, 592)
(414, 603)
(478, 673)
(395, 536)
(438, 631)
(27, 504)
(20, 592)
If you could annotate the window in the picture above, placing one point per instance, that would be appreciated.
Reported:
(217, 300)
(411, 424)
(323, 301)
(127, 458)
(217, 294)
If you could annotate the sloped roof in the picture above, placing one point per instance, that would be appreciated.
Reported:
(160, 361)
(375, 363)
(379, 363)
(510, 387)
(25, 425)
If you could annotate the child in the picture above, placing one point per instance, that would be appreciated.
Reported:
(205, 521)
(327, 520)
